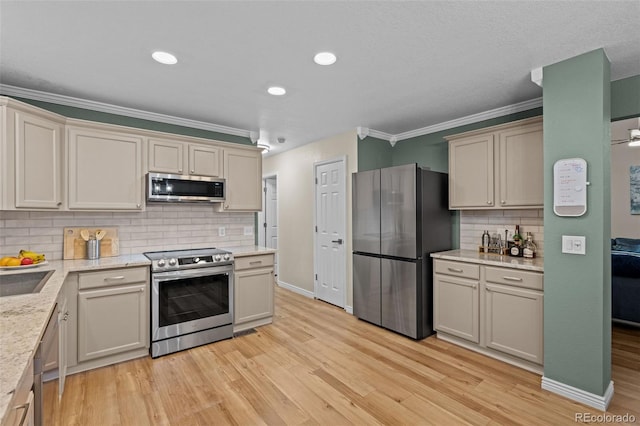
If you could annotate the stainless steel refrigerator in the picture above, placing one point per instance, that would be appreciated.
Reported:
(400, 216)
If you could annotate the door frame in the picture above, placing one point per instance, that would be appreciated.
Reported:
(343, 160)
(264, 203)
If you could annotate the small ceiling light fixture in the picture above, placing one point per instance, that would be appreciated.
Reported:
(325, 58)
(276, 91)
(281, 140)
(264, 146)
(164, 57)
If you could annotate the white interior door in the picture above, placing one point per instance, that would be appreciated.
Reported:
(271, 219)
(268, 217)
(330, 249)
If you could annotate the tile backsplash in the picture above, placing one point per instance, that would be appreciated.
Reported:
(474, 222)
(159, 227)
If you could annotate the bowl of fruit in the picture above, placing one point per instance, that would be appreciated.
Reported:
(24, 259)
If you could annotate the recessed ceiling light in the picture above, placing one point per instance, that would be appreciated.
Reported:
(324, 58)
(276, 91)
(164, 57)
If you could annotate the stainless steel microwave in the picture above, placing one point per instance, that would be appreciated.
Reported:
(184, 188)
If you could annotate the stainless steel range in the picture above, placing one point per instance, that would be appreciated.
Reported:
(191, 298)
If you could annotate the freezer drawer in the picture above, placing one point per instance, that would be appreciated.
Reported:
(400, 296)
(366, 288)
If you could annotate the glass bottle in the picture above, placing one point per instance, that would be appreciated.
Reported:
(530, 248)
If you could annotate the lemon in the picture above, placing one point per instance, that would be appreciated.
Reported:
(13, 261)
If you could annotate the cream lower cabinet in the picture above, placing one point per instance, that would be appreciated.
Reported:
(253, 291)
(456, 291)
(108, 317)
(20, 411)
(499, 167)
(502, 317)
(31, 167)
(177, 157)
(105, 170)
(243, 174)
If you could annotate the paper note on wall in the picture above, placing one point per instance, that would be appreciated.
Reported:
(570, 187)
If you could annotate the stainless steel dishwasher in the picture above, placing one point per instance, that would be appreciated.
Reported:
(45, 360)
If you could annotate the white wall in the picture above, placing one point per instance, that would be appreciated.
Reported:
(295, 206)
(623, 223)
(160, 227)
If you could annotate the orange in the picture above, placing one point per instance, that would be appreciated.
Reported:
(4, 261)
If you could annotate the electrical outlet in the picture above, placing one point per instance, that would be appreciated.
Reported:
(572, 244)
(221, 231)
(248, 230)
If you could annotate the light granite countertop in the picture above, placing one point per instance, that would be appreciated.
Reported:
(241, 251)
(23, 318)
(471, 256)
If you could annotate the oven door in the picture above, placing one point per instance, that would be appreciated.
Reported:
(184, 302)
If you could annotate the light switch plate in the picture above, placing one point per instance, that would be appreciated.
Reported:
(573, 244)
(222, 231)
(248, 230)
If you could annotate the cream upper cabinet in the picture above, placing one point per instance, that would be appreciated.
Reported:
(243, 174)
(105, 169)
(177, 157)
(32, 147)
(497, 167)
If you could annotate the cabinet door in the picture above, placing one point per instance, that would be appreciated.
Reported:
(112, 320)
(514, 322)
(521, 166)
(38, 165)
(253, 296)
(243, 173)
(204, 160)
(166, 156)
(471, 172)
(105, 170)
(456, 304)
(63, 316)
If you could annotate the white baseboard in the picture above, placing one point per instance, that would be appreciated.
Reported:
(349, 309)
(579, 395)
(296, 289)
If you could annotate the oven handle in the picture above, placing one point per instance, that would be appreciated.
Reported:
(192, 273)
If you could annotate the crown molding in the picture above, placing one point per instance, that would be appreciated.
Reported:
(115, 109)
(474, 118)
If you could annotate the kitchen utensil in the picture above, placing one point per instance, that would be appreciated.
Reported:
(75, 247)
(84, 233)
(100, 234)
(93, 249)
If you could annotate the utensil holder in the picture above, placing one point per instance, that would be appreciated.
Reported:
(93, 249)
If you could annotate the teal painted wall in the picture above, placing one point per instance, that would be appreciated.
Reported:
(577, 288)
(625, 98)
(121, 120)
(374, 153)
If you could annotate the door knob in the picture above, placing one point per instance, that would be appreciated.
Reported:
(338, 241)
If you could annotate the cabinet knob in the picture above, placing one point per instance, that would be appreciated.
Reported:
(193, 171)
(488, 202)
(180, 171)
(226, 206)
(66, 316)
(59, 203)
(503, 202)
(138, 205)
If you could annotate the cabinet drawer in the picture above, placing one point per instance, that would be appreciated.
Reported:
(111, 277)
(514, 277)
(260, 261)
(458, 269)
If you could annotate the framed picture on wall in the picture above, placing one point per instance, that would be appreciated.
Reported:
(634, 189)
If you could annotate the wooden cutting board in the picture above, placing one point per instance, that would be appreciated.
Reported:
(76, 248)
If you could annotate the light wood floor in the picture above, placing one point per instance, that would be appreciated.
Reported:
(317, 365)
